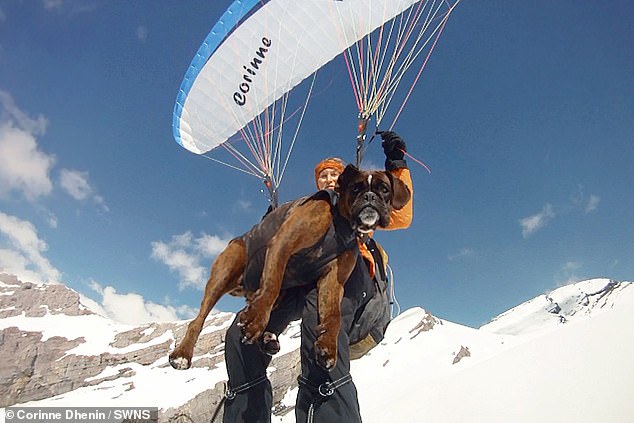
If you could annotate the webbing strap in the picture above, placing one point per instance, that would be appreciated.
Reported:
(326, 389)
(231, 393)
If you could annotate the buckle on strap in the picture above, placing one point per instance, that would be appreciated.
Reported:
(231, 393)
(326, 389)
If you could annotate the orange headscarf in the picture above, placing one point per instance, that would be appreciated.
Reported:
(329, 163)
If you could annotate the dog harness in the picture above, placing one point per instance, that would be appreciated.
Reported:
(307, 265)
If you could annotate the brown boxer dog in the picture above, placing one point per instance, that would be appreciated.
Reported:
(365, 201)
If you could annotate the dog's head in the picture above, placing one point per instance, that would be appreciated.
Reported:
(366, 198)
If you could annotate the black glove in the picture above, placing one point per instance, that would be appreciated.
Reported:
(394, 148)
(393, 145)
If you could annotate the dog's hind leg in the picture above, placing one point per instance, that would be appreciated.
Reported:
(225, 276)
(330, 292)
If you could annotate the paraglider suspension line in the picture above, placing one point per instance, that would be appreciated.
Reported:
(272, 191)
(362, 126)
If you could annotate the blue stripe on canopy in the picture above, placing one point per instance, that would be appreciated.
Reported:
(239, 11)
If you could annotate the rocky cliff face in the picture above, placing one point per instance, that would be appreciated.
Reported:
(51, 355)
(36, 300)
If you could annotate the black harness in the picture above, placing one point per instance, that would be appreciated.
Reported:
(307, 265)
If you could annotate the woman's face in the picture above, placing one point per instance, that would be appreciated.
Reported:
(327, 178)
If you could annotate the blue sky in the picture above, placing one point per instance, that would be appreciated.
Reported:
(525, 115)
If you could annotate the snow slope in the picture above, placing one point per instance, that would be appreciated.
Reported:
(527, 365)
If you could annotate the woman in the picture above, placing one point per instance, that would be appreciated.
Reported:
(369, 327)
(324, 396)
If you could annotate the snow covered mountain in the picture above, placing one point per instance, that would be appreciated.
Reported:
(63, 354)
(567, 356)
(562, 357)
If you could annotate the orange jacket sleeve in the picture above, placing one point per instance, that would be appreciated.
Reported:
(401, 219)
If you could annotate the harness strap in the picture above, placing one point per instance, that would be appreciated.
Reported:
(231, 393)
(326, 389)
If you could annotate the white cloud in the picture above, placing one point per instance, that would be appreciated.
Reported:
(189, 257)
(463, 253)
(76, 184)
(532, 224)
(588, 204)
(132, 308)
(12, 113)
(568, 273)
(93, 305)
(571, 266)
(592, 203)
(210, 245)
(23, 252)
(51, 219)
(70, 8)
(23, 167)
(244, 205)
(98, 200)
(141, 33)
(53, 4)
(185, 264)
(578, 202)
(15, 263)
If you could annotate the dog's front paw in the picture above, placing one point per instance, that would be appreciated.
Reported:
(269, 344)
(180, 359)
(252, 321)
(326, 353)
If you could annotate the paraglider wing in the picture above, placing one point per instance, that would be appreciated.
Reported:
(260, 50)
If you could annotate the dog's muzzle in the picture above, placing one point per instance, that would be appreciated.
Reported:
(369, 215)
(368, 219)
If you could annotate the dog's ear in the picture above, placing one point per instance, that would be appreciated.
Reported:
(400, 192)
(346, 176)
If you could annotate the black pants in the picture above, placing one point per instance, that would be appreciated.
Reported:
(246, 364)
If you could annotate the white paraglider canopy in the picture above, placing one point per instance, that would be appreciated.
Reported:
(257, 52)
